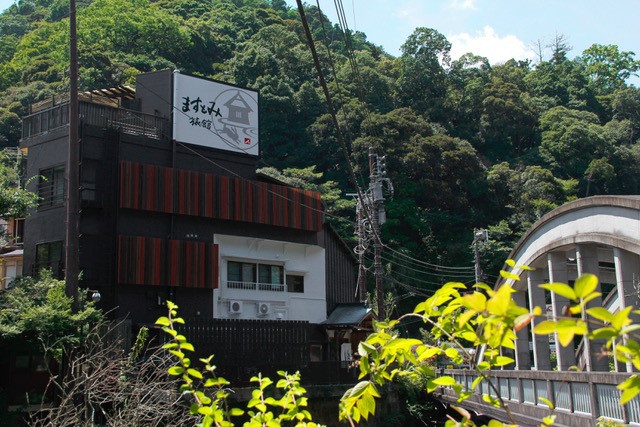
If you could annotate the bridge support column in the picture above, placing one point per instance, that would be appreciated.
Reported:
(523, 355)
(557, 262)
(627, 266)
(541, 352)
(587, 262)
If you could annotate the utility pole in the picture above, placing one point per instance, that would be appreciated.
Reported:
(375, 202)
(72, 239)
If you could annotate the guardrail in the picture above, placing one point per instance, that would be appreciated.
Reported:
(579, 398)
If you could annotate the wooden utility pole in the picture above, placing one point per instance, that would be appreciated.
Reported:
(72, 238)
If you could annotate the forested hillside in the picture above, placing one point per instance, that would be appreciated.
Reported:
(468, 143)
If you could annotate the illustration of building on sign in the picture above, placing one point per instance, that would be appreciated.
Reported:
(239, 109)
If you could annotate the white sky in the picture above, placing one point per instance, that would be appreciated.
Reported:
(497, 29)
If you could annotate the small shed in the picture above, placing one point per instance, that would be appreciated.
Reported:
(348, 325)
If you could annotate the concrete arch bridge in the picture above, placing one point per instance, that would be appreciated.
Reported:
(598, 235)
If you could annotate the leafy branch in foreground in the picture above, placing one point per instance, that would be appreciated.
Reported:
(210, 393)
(487, 318)
(480, 317)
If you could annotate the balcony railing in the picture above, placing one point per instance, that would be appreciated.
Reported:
(127, 121)
(252, 286)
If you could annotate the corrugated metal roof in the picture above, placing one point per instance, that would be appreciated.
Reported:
(347, 315)
(17, 252)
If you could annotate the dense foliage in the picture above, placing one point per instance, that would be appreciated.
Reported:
(457, 316)
(464, 138)
(38, 311)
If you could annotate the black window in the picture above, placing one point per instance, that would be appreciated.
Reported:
(241, 272)
(270, 274)
(295, 283)
(51, 187)
(49, 256)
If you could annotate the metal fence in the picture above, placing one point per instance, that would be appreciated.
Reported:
(575, 395)
(127, 121)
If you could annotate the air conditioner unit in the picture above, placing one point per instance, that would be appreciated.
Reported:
(235, 307)
(264, 308)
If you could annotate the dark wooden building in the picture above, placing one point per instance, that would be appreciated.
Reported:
(172, 208)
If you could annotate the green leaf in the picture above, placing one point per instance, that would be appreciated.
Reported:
(451, 352)
(502, 361)
(585, 284)
(561, 289)
(194, 373)
(163, 321)
(444, 381)
(507, 275)
(600, 313)
(236, 412)
(630, 389)
(546, 327)
(546, 402)
(175, 370)
(475, 301)
(621, 318)
(187, 346)
(603, 334)
(484, 365)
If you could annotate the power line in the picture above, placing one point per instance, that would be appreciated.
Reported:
(233, 173)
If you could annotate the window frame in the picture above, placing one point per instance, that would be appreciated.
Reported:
(51, 187)
(39, 264)
(266, 275)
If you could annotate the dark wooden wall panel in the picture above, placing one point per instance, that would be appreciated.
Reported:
(160, 262)
(180, 191)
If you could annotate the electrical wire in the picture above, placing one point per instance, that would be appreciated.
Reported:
(444, 269)
(233, 173)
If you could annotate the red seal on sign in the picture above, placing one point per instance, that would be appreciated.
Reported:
(247, 141)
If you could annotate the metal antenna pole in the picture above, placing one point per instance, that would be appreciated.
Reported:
(72, 247)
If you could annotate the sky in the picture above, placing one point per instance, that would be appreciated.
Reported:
(496, 29)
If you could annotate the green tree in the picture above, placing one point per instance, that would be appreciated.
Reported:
(467, 78)
(422, 82)
(608, 67)
(508, 122)
(570, 139)
(14, 199)
(10, 128)
(38, 311)
(626, 106)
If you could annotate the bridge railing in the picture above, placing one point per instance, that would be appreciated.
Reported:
(576, 396)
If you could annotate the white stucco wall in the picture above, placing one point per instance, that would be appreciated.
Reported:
(298, 259)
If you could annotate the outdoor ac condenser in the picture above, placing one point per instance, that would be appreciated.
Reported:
(264, 308)
(235, 307)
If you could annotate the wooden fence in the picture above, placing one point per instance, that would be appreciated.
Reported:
(242, 348)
